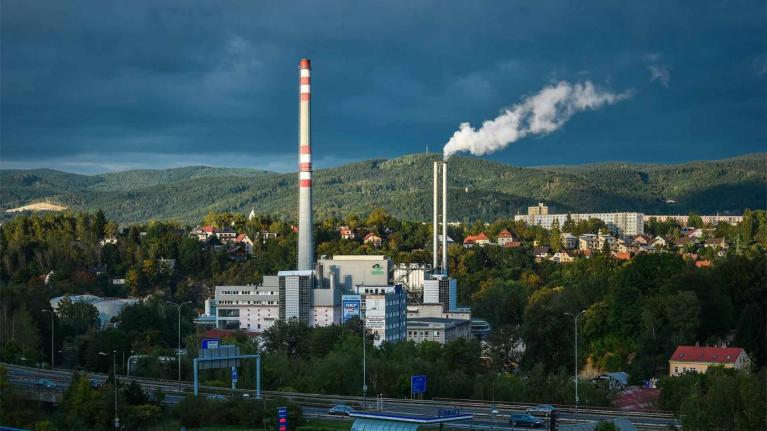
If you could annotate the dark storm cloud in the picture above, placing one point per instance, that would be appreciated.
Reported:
(103, 85)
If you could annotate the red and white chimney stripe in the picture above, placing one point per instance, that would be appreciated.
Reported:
(305, 151)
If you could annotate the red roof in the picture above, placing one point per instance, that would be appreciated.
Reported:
(371, 236)
(505, 234)
(474, 238)
(209, 229)
(240, 238)
(720, 355)
(622, 256)
(513, 244)
(703, 264)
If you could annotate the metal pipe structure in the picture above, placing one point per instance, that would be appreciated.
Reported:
(305, 246)
(444, 218)
(435, 225)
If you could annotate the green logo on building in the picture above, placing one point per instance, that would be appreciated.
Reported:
(377, 269)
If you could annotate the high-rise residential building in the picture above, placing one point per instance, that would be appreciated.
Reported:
(539, 209)
(623, 223)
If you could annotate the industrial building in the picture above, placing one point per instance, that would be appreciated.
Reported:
(383, 309)
(437, 329)
(336, 289)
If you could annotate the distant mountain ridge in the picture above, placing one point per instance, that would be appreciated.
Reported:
(477, 189)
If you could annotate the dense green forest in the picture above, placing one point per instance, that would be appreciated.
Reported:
(477, 189)
(636, 312)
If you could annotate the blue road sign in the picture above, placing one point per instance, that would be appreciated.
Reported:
(234, 374)
(211, 343)
(418, 384)
(282, 419)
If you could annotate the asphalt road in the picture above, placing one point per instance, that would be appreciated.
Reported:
(316, 405)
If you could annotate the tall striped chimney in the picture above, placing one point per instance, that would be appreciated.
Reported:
(305, 246)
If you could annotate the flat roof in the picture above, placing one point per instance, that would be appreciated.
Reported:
(358, 257)
(423, 321)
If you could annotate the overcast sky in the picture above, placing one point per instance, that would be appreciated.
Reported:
(94, 86)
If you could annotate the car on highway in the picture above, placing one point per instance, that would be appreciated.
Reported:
(217, 397)
(524, 420)
(46, 383)
(541, 410)
(340, 409)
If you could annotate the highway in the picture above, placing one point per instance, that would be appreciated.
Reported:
(316, 405)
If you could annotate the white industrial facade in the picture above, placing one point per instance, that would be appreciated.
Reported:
(384, 311)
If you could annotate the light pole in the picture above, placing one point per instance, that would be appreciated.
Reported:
(114, 375)
(364, 369)
(494, 411)
(575, 318)
(178, 352)
(52, 348)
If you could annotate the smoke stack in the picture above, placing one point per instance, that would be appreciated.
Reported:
(435, 224)
(305, 247)
(444, 217)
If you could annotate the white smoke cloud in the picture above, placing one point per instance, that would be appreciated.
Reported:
(540, 114)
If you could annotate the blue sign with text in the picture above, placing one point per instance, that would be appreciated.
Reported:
(234, 374)
(418, 384)
(211, 343)
(282, 419)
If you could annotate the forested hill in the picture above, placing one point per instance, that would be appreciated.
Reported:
(477, 189)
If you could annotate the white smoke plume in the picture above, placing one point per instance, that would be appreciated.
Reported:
(540, 114)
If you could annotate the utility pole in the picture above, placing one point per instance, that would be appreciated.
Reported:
(364, 370)
(114, 376)
(178, 352)
(53, 350)
(575, 318)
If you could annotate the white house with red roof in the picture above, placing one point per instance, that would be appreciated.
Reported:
(347, 233)
(697, 359)
(372, 239)
(245, 241)
(481, 240)
(504, 237)
(203, 233)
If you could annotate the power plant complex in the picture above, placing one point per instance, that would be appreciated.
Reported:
(334, 290)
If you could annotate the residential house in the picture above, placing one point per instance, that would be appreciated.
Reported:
(562, 257)
(642, 239)
(244, 240)
(588, 241)
(695, 359)
(660, 242)
(620, 255)
(372, 239)
(480, 239)
(504, 237)
(203, 233)
(542, 252)
(347, 233)
(685, 241)
(226, 234)
(703, 264)
(716, 242)
(569, 241)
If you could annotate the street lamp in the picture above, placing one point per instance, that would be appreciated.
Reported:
(114, 375)
(364, 370)
(52, 348)
(178, 352)
(575, 318)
